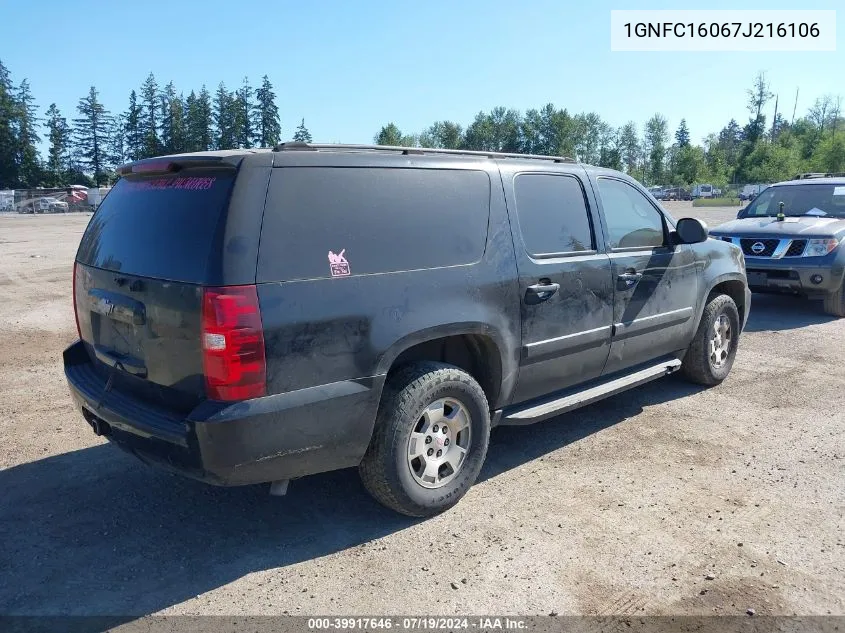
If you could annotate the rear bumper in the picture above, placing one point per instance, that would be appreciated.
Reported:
(798, 277)
(282, 436)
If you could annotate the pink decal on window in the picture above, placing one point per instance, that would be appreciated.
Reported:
(338, 264)
(189, 184)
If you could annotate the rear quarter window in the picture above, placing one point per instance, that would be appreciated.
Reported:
(336, 221)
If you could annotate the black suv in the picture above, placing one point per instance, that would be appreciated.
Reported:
(260, 315)
(792, 236)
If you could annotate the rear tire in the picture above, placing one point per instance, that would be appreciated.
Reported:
(417, 399)
(834, 303)
(711, 354)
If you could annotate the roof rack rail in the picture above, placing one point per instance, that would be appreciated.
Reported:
(298, 145)
(819, 175)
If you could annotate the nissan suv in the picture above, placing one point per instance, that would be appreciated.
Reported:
(255, 316)
(791, 236)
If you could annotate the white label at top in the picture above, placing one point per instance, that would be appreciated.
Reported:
(723, 30)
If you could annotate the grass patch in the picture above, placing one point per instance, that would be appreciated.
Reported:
(717, 202)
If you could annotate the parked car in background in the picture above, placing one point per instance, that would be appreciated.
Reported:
(749, 192)
(703, 191)
(256, 316)
(676, 193)
(43, 204)
(52, 205)
(792, 238)
(657, 192)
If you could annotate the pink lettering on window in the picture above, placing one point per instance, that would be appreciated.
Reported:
(183, 184)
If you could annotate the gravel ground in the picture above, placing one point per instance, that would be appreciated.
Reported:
(670, 499)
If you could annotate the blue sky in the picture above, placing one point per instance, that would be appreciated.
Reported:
(350, 67)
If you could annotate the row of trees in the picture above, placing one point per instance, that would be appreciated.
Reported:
(161, 120)
(158, 120)
(753, 152)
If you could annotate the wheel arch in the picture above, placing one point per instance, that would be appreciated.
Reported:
(473, 347)
(733, 285)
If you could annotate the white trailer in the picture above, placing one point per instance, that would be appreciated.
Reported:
(7, 200)
(96, 195)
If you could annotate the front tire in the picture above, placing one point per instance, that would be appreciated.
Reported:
(834, 303)
(430, 439)
(711, 354)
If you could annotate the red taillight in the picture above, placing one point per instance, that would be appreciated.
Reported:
(75, 310)
(233, 343)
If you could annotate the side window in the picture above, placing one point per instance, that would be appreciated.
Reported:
(760, 206)
(345, 221)
(552, 213)
(631, 220)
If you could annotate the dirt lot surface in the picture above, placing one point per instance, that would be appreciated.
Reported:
(668, 499)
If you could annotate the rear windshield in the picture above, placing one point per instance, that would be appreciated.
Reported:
(163, 227)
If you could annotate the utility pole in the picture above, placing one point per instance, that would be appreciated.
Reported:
(796, 106)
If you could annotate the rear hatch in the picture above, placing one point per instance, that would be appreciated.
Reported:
(152, 245)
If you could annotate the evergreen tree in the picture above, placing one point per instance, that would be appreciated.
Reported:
(198, 121)
(388, 135)
(173, 135)
(29, 168)
(58, 155)
(133, 129)
(191, 142)
(656, 137)
(303, 135)
(150, 110)
(244, 118)
(8, 136)
(91, 132)
(268, 128)
(204, 120)
(630, 146)
(116, 150)
(682, 134)
(225, 118)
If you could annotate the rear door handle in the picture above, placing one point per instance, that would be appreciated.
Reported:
(126, 363)
(540, 292)
(629, 278)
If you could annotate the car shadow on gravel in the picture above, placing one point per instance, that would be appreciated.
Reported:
(94, 532)
(514, 446)
(771, 312)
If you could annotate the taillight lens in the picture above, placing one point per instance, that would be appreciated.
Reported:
(233, 343)
(75, 309)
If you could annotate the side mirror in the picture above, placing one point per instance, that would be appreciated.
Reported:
(691, 231)
(741, 213)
